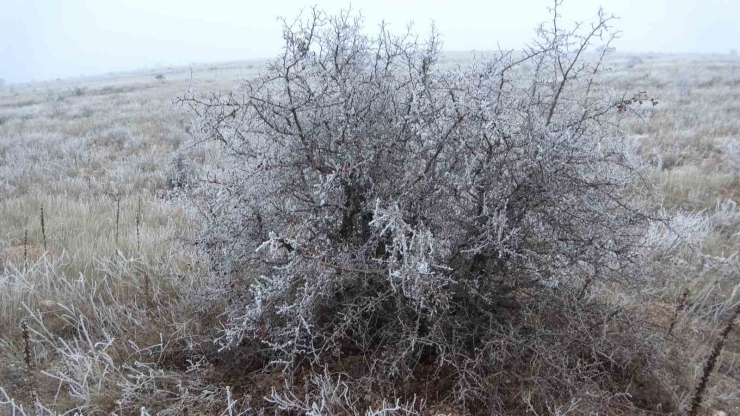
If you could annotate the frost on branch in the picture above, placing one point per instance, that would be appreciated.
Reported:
(373, 203)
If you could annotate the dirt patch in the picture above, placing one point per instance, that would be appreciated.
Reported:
(732, 192)
(30, 252)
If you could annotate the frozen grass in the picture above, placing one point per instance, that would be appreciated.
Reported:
(116, 328)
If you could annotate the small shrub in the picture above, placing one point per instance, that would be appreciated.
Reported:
(634, 61)
(732, 150)
(179, 171)
(79, 91)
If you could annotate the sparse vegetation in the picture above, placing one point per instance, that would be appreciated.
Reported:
(580, 269)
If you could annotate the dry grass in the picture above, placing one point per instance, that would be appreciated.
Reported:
(75, 146)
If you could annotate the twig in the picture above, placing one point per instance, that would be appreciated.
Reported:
(711, 362)
(43, 227)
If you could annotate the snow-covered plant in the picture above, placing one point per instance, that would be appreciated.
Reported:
(370, 202)
(681, 227)
(732, 150)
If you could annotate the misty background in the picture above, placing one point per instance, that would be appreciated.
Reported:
(46, 39)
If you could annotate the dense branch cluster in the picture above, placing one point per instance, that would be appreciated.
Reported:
(375, 203)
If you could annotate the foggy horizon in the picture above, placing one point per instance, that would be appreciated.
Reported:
(43, 40)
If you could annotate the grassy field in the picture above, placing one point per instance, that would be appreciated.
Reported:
(108, 276)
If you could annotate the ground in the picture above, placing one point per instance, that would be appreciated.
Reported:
(100, 154)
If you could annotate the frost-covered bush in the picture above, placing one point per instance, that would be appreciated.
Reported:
(732, 150)
(179, 170)
(370, 203)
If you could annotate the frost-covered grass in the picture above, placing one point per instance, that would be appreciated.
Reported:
(117, 325)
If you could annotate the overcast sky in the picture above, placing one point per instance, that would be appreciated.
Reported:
(44, 39)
